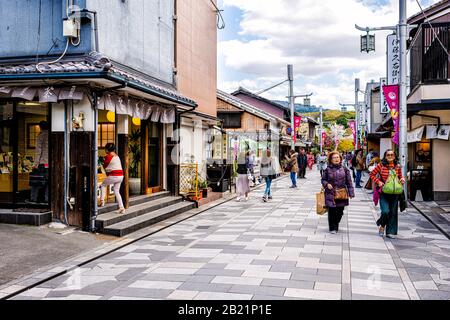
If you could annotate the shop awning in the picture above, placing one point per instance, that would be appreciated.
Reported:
(93, 68)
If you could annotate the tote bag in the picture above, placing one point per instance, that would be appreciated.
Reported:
(393, 184)
(320, 203)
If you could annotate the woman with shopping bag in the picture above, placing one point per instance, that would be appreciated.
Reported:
(388, 177)
(338, 185)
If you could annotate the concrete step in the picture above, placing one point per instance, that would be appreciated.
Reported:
(114, 217)
(25, 218)
(128, 226)
(134, 201)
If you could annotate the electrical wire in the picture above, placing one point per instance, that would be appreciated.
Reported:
(434, 32)
(220, 18)
(276, 85)
(54, 61)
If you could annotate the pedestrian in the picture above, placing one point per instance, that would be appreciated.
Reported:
(369, 157)
(243, 181)
(338, 185)
(310, 160)
(268, 172)
(114, 171)
(381, 175)
(293, 165)
(39, 175)
(372, 165)
(302, 163)
(251, 165)
(359, 168)
(322, 163)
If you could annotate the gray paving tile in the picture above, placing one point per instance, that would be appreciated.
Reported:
(288, 283)
(260, 290)
(220, 272)
(206, 287)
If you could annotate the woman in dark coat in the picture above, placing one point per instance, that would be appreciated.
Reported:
(336, 176)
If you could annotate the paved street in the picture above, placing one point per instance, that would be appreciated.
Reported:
(276, 250)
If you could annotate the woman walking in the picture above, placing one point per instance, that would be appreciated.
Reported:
(293, 164)
(114, 171)
(338, 185)
(359, 168)
(385, 174)
(310, 160)
(243, 181)
(268, 172)
(322, 163)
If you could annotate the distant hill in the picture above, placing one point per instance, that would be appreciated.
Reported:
(333, 116)
(300, 108)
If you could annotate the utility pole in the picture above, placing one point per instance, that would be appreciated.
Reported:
(321, 129)
(401, 30)
(403, 146)
(357, 120)
(290, 70)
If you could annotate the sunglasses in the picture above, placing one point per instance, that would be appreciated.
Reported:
(390, 155)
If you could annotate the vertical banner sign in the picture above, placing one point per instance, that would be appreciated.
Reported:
(384, 108)
(393, 59)
(391, 96)
(352, 126)
(297, 122)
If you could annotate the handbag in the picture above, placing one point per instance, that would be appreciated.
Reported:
(393, 184)
(249, 175)
(340, 193)
(321, 209)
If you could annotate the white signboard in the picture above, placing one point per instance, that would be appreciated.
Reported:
(393, 59)
(384, 108)
(444, 132)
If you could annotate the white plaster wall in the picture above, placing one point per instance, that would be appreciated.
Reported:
(441, 174)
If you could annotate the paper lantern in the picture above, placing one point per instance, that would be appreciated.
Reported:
(111, 116)
(136, 121)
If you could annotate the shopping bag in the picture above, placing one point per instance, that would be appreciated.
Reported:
(393, 184)
(320, 203)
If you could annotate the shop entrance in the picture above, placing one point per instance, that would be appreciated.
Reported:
(154, 157)
(24, 154)
(421, 170)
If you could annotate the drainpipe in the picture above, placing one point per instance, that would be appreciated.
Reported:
(94, 13)
(66, 165)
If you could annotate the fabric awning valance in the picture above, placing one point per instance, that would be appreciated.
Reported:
(137, 108)
(44, 94)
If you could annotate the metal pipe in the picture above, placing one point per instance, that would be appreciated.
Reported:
(357, 115)
(290, 71)
(95, 163)
(66, 164)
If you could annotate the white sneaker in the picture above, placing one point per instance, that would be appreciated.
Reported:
(333, 232)
(247, 198)
(238, 199)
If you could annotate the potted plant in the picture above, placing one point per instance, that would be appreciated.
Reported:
(134, 148)
(203, 186)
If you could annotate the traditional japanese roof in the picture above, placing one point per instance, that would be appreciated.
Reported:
(94, 65)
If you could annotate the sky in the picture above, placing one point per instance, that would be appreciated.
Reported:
(318, 37)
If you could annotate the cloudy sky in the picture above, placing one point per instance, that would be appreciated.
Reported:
(318, 37)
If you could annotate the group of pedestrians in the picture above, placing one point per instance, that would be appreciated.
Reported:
(386, 175)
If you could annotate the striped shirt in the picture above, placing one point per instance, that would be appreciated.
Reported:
(383, 171)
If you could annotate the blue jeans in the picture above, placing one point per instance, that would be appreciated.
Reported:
(358, 177)
(389, 213)
(268, 184)
(294, 178)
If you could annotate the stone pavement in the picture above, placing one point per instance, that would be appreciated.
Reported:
(276, 250)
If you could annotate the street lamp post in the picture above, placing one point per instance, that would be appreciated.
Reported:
(357, 114)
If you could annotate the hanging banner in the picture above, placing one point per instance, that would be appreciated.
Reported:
(352, 126)
(297, 122)
(393, 59)
(415, 135)
(391, 95)
(444, 132)
(432, 132)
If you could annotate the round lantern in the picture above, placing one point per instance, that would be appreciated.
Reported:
(111, 116)
(136, 121)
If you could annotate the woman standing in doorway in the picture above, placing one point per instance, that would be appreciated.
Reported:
(114, 171)
(389, 168)
(337, 181)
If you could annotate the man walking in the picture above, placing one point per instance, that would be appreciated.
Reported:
(302, 163)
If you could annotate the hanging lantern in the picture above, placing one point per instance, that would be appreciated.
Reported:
(136, 121)
(111, 116)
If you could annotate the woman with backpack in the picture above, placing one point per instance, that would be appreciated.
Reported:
(388, 177)
(338, 185)
(268, 172)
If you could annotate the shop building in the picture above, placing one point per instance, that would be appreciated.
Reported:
(90, 91)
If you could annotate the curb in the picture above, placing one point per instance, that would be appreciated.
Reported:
(447, 235)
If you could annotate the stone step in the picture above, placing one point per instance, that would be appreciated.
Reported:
(110, 218)
(25, 218)
(128, 226)
(134, 201)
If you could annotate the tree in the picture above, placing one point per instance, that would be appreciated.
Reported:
(345, 146)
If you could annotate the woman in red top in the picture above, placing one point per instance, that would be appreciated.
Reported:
(388, 202)
(113, 169)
